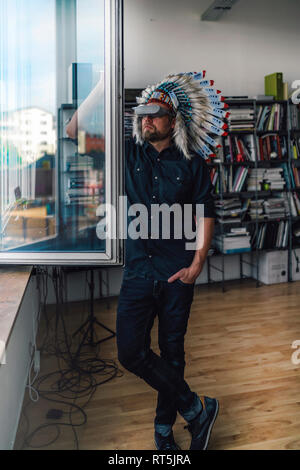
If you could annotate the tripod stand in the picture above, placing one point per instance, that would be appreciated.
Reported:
(91, 321)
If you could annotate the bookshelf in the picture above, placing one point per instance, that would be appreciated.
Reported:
(255, 163)
(295, 175)
(260, 185)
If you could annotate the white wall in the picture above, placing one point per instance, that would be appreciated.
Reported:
(13, 374)
(255, 38)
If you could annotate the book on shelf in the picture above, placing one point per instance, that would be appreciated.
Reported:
(295, 116)
(250, 146)
(228, 179)
(272, 235)
(270, 117)
(294, 204)
(272, 146)
(214, 176)
(242, 148)
(295, 145)
(285, 91)
(239, 179)
(296, 177)
(264, 98)
(239, 148)
(274, 85)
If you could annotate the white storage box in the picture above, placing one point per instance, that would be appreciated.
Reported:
(273, 267)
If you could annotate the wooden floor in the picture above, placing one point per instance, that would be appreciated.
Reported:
(238, 349)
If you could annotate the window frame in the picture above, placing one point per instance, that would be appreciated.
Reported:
(114, 166)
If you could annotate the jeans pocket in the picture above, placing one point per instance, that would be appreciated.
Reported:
(185, 284)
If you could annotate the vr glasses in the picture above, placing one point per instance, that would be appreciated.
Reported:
(152, 110)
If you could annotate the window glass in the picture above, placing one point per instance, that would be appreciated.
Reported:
(52, 125)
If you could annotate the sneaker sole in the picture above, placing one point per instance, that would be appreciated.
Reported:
(211, 425)
(170, 451)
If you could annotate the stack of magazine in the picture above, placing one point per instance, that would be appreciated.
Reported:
(237, 240)
(268, 209)
(276, 208)
(241, 119)
(230, 210)
(273, 177)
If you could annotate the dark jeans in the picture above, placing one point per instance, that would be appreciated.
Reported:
(140, 301)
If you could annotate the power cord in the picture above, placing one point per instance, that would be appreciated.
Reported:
(77, 376)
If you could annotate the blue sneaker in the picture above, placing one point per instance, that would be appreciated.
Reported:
(165, 443)
(201, 426)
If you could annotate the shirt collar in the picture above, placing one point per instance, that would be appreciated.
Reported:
(151, 150)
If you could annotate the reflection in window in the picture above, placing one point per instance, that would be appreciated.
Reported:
(50, 185)
(27, 89)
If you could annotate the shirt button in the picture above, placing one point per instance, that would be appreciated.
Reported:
(137, 169)
(158, 159)
(153, 197)
(178, 178)
(155, 177)
(150, 256)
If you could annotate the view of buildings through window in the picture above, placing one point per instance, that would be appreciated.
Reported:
(52, 55)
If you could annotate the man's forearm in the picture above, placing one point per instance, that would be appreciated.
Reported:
(204, 238)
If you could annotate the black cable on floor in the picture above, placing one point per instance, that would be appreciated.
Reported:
(77, 376)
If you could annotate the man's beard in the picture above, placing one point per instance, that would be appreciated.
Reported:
(155, 136)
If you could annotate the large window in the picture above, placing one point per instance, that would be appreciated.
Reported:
(60, 130)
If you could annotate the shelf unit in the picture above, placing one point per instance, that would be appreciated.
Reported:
(294, 165)
(76, 215)
(282, 132)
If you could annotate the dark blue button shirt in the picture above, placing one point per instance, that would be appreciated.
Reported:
(156, 178)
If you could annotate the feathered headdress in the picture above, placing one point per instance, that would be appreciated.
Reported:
(198, 107)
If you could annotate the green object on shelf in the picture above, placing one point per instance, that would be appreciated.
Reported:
(266, 186)
(274, 85)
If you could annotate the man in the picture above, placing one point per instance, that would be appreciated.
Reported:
(162, 167)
